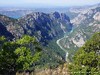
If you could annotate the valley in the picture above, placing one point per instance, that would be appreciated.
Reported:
(59, 32)
(84, 28)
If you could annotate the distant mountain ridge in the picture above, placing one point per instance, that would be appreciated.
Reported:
(15, 13)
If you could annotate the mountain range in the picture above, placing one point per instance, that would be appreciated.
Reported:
(47, 28)
(50, 27)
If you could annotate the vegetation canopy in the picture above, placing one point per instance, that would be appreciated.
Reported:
(87, 58)
(18, 55)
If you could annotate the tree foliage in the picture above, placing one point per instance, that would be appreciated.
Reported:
(87, 58)
(19, 54)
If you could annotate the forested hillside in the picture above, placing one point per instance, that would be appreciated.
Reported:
(87, 58)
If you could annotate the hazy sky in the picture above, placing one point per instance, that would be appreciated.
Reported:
(28, 3)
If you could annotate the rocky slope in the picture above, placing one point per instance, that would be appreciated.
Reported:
(46, 27)
(11, 25)
(43, 26)
(4, 32)
(85, 24)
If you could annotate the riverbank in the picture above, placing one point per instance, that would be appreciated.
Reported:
(58, 43)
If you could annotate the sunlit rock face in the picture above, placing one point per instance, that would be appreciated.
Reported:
(97, 16)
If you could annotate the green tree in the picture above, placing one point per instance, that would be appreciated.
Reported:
(18, 55)
(87, 59)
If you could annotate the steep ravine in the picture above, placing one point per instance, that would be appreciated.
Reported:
(85, 24)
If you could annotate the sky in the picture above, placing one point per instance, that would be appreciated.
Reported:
(46, 3)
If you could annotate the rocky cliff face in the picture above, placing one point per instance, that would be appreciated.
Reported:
(44, 26)
(97, 16)
(86, 24)
(11, 25)
(87, 16)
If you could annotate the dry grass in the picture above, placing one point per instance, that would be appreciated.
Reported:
(61, 70)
